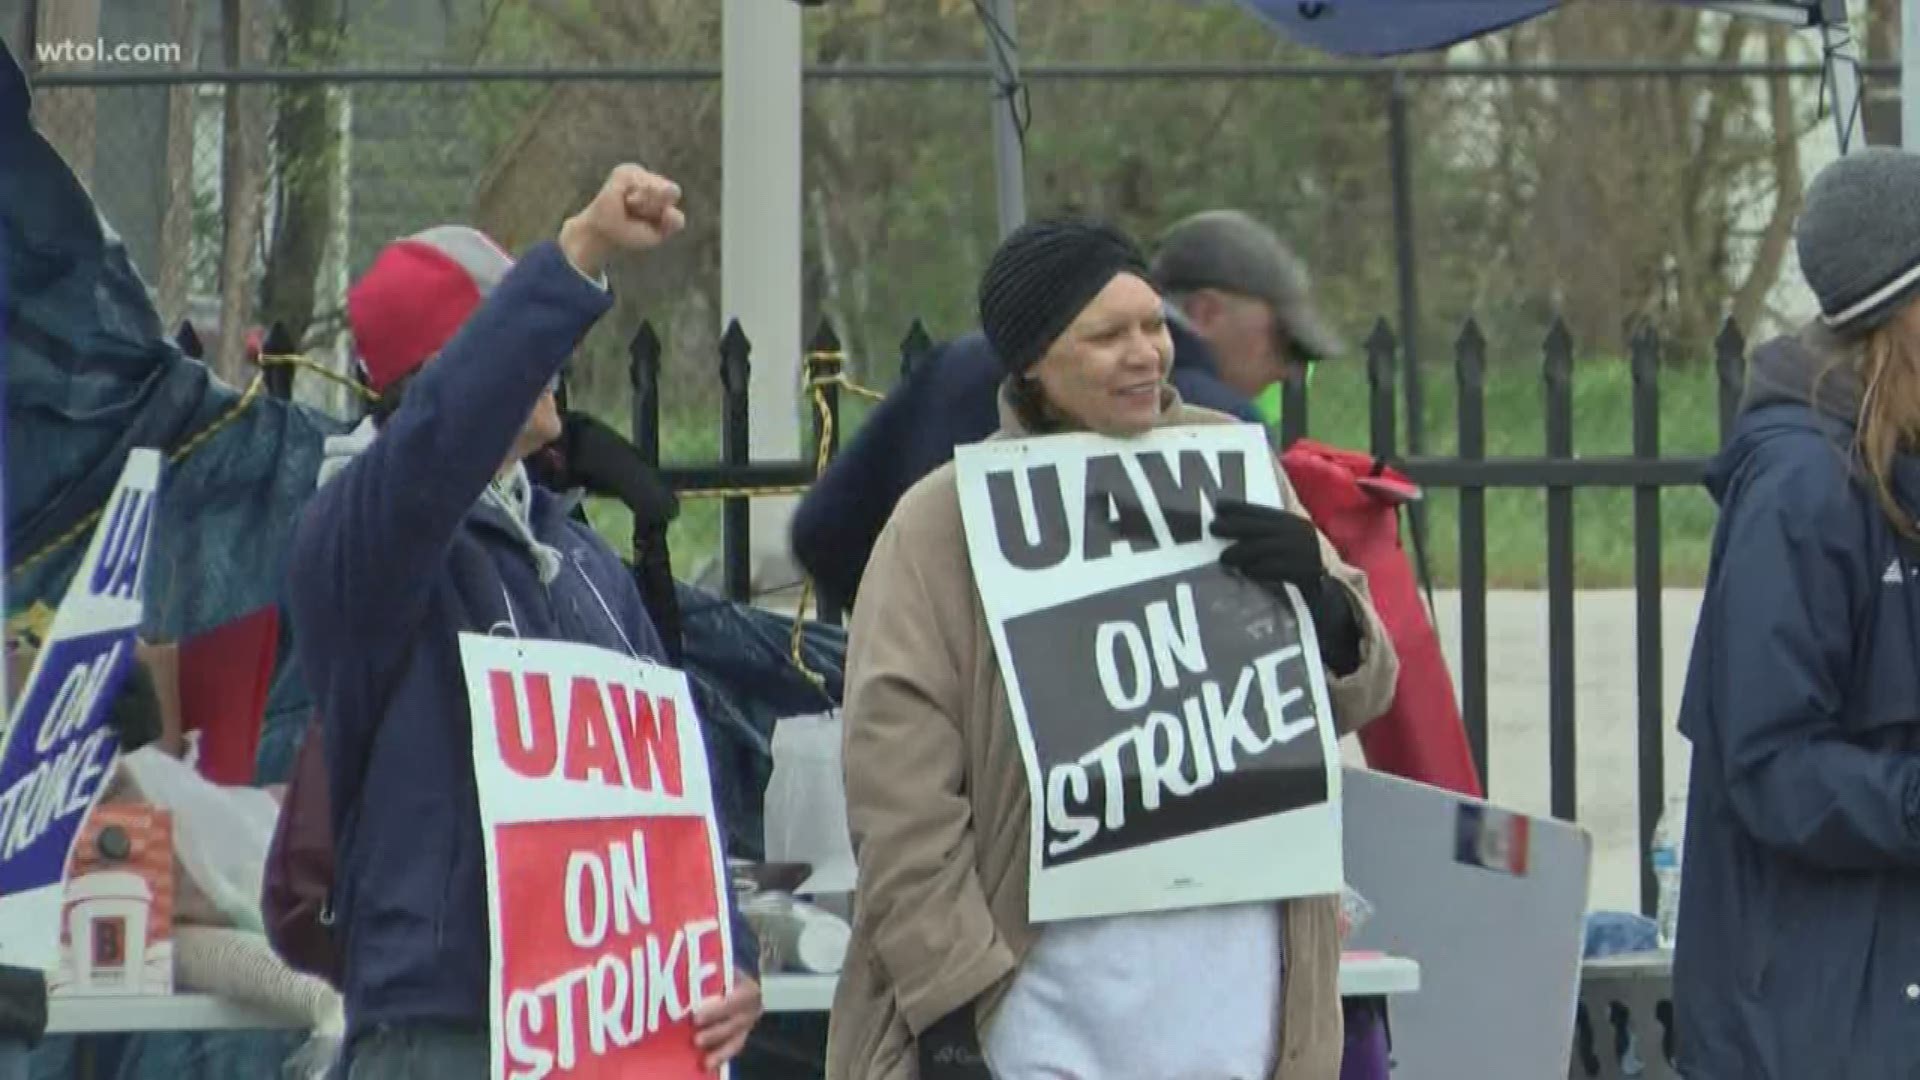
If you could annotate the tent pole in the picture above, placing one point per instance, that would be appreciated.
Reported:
(1009, 152)
(1843, 66)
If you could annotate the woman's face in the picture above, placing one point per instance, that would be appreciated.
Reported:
(1106, 371)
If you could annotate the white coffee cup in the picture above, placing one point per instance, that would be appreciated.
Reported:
(107, 930)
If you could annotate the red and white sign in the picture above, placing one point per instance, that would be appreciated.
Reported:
(604, 878)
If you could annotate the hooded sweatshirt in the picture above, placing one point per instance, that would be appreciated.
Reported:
(1798, 947)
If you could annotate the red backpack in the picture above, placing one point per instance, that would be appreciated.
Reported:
(296, 895)
(1355, 500)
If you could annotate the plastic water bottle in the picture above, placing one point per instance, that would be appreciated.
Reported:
(1668, 840)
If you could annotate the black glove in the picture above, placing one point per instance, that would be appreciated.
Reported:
(135, 713)
(950, 1049)
(591, 455)
(653, 575)
(1273, 548)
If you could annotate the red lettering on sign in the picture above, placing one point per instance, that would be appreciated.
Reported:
(590, 752)
(652, 738)
(534, 752)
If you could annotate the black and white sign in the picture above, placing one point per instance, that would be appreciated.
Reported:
(1173, 717)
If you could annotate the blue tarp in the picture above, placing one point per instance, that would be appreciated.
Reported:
(91, 376)
(1391, 27)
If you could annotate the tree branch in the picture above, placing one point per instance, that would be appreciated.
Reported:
(1787, 183)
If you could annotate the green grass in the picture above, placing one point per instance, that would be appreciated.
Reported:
(1516, 519)
(1516, 526)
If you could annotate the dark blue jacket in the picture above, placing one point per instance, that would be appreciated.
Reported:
(395, 557)
(1798, 951)
(950, 399)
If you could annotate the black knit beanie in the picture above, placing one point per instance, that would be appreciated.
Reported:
(1041, 278)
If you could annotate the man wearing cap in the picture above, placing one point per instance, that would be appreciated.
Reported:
(432, 529)
(1237, 286)
(1241, 319)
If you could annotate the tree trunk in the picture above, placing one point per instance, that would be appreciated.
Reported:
(1749, 302)
(176, 216)
(241, 188)
(67, 115)
(307, 157)
(1883, 30)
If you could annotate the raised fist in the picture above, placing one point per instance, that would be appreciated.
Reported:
(635, 210)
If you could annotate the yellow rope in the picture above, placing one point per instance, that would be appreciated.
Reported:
(747, 492)
(194, 442)
(816, 387)
(817, 391)
(295, 360)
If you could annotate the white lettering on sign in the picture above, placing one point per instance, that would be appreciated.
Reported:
(1153, 754)
(117, 575)
(59, 786)
(612, 1002)
(1172, 647)
(73, 703)
(611, 891)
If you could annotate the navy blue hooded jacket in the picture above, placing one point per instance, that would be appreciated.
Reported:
(950, 399)
(394, 558)
(1798, 946)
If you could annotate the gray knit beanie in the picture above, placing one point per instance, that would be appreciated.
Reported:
(1859, 238)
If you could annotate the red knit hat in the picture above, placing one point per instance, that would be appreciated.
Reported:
(416, 296)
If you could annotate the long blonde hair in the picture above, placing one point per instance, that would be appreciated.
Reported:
(1887, 424)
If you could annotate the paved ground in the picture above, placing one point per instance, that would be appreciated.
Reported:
(1606, 708)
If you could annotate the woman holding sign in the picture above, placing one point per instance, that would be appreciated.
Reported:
(962, 964)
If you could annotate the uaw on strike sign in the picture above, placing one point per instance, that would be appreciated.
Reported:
(57, 754)
(1173, 717)
(604, 879)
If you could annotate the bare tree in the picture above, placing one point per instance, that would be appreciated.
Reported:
(560, 146)
(176, 215)
(1750, 299)
(67, 116)
(306, 161)
(1641, 206)
(243, 181)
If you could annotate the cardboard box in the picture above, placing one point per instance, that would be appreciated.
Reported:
(116, 932)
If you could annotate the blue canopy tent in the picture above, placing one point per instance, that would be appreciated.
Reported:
(1385, 28)
(1394, 27)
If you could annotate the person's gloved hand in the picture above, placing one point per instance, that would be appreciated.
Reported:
(1273, 548)
(134, 715)
(950, 1049)
(596, 457)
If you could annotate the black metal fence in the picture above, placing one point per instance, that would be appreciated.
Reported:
(1559, 473)
(1556, 470)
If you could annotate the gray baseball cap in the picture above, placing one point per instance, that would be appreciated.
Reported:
(1231, 251)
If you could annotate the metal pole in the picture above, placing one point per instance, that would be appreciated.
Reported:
(1910, 74)
(1009, 151)
(1400, 157)
(760, 240)
(1843, 63)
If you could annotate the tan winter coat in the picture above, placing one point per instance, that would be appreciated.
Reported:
(938, 806)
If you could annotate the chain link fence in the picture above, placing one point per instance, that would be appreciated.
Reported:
(1425, 197)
